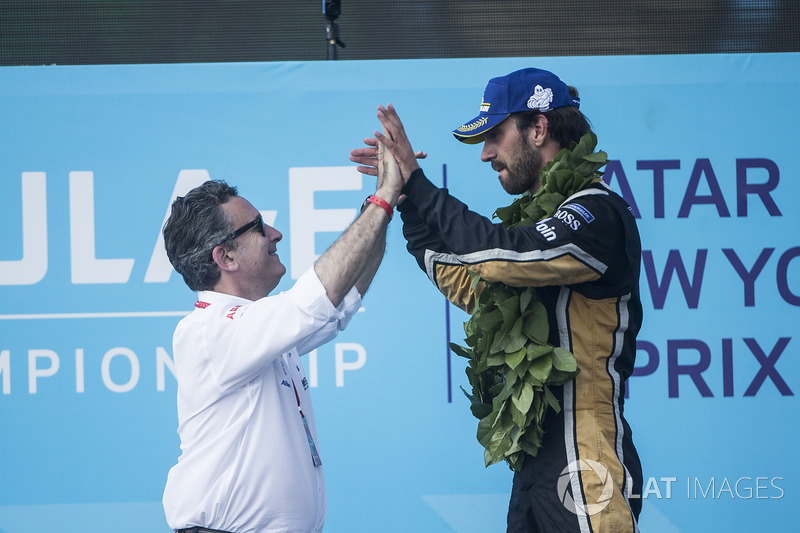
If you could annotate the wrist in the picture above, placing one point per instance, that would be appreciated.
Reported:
(380, 202)
(389, 196)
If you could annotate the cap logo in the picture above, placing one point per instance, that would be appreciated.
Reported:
(485, 107)
(475, 125)
(541, 98)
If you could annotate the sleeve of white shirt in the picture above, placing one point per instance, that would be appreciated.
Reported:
(255, 334)
(348, 307)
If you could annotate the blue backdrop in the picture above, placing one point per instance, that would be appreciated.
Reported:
(91, 158)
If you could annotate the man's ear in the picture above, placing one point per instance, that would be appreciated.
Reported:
(223, 258)
(539, 131)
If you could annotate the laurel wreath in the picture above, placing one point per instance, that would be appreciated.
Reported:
(511, 367)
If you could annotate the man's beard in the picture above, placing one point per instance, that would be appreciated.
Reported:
(522, 173)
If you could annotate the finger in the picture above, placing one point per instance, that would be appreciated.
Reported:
(364, 152)
(391, 113)
(389, 119)
(365, 162)
(391, 122)
(420, 154)
(383, 139)
(387, 131)
(370, 171)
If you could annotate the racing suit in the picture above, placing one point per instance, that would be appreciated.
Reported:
(584, 261)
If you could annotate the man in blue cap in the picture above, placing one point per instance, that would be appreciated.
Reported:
(583, 260)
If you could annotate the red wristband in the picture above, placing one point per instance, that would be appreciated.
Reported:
(380, 202)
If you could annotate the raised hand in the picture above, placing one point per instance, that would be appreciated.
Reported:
(397, 142)
(367, 158)
(390, 181)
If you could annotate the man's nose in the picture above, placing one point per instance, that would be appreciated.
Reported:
(488, 152)
(273, 234)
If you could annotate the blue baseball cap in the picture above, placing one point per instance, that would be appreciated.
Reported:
(522, 90)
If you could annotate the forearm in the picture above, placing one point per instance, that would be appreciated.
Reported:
(374, 261)
(419, 237)
(355, 255)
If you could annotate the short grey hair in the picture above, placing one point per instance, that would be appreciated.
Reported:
(196, 225)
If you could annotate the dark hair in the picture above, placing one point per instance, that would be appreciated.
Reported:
(196, 224)
(565, 124)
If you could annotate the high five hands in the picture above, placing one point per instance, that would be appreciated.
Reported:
(394, 141)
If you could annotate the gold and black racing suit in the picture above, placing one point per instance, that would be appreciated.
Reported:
(584, 262)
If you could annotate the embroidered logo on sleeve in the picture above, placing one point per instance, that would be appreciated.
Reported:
(582, 211)
(547, 231)
(565, 215)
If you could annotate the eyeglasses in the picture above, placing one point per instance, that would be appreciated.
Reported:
(257, 223)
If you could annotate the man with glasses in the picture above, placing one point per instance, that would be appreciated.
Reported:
(250, 459)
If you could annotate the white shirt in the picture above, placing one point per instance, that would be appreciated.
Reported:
(246, 463)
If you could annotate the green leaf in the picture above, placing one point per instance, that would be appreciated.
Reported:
(511, 378)
(532, 438)
(499, 443)
(482, 366)
(474, 276)
(486, 298)
(561, 177)
(484, 427)
(480, 410)
(515, 434)
(461, 351)
(523, 398)
(540, 368)
(558, 377)
(472, 340)
(535, 351)
(597, 157)
(484, 342)
(495, 389)
(517, 416)
(512, 213)
(496, 359)
(489, 320)
(536, 326)
(516, 340)
(468, 395)
(551, 201)
(500, 342)
(525, 298)
(490, 459)
(505, 415)
(534, 212)
(514, 359)
(509, 307)
(564, 360)
(506, 393)
(470, 375)
(551, 399)
(522, 367)
(529, 448)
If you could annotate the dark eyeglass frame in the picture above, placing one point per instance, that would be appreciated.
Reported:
(257, 222)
